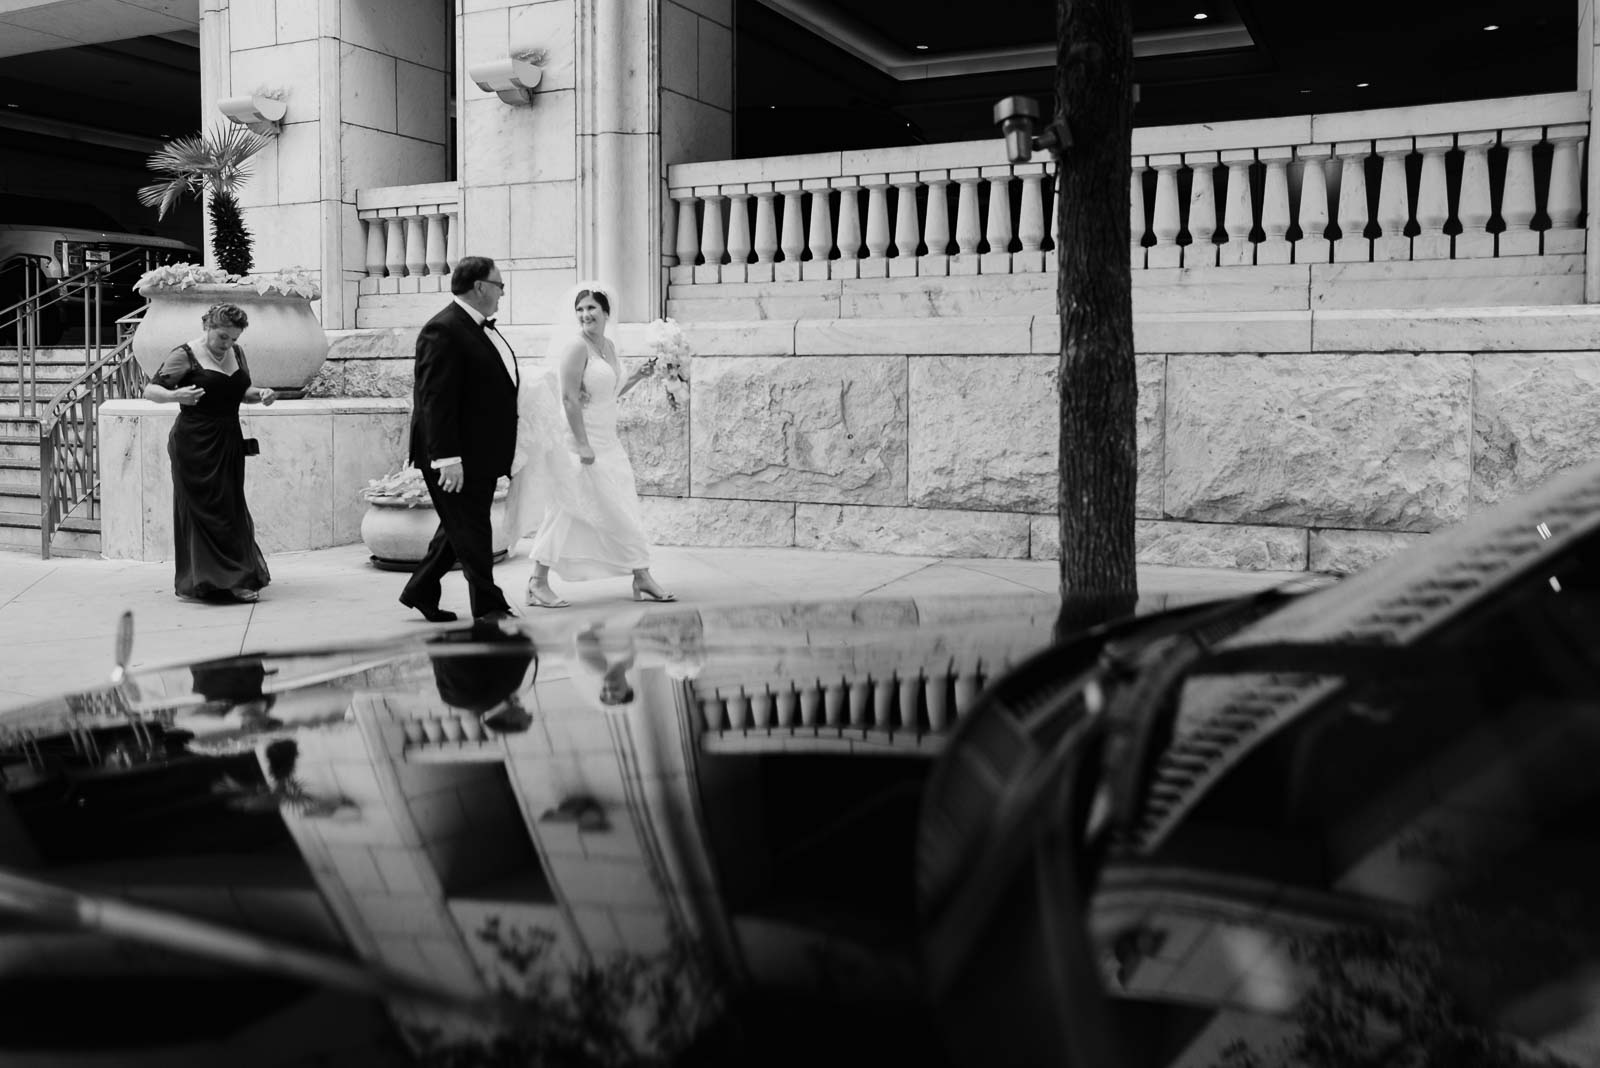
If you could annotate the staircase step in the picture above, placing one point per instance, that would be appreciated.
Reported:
(75, 538)
(23, 447)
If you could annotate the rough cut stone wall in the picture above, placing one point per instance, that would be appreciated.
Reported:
(1321, 439)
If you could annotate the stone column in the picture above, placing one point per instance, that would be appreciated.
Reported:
(367, 93)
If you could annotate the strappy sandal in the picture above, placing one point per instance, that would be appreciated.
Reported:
(536, 601)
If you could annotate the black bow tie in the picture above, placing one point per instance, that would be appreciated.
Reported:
(488, 324)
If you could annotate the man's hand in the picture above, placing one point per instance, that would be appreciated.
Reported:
(451, 478)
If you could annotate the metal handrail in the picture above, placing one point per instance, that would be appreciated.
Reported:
(69, 439)
(24, 315)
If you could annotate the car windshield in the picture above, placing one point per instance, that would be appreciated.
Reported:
(1398, 870)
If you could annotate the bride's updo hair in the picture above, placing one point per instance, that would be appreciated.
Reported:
(598, 290)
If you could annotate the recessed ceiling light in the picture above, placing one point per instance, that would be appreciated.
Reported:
(1200, 15)
(772, 107)
(922, 48)
(1362, 85)
(1305, 90)
(13, 105)
(1491, 26)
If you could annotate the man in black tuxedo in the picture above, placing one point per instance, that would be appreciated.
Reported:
(463, 432)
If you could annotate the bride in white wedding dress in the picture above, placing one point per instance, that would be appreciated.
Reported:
(571, 480)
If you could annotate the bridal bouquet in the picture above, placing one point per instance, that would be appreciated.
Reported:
(671, 360)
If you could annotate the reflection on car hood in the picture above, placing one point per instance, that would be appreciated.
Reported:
(619, 827)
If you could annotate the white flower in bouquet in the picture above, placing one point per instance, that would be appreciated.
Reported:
(670, 360)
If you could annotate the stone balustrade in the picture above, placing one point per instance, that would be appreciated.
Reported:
(412, 237)
(1480, 179)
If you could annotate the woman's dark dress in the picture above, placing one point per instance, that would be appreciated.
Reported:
(214, 538)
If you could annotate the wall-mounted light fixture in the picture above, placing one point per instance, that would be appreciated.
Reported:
(512, 79)
(263, 114)
(1017, 117)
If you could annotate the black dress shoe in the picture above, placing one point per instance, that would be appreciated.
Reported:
(496, 615)
(432, 613)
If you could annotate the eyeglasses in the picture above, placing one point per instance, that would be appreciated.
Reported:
(492, 282)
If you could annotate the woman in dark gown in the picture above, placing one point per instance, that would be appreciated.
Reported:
(214, 538)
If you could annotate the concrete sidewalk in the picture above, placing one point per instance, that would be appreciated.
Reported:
(58, 618)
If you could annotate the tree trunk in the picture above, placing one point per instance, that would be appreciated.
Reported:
(1099, 393)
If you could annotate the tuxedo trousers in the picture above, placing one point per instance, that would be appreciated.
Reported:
(464, 534)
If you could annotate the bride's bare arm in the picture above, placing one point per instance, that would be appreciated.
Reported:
(570, 370)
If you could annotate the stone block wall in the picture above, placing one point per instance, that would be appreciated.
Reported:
(1321, 439)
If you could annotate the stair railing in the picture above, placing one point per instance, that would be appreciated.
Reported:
(23, 324)
(69, 439)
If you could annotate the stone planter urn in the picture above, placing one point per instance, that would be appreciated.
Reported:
(284, 343)
(397, 531)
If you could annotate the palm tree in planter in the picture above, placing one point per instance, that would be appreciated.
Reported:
(286, 343)
(218, 162)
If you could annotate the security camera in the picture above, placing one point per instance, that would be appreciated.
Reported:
(1017, 116)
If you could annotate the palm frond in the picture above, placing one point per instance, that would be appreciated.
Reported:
(219, 159)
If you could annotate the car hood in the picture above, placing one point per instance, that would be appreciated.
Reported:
(708, 814)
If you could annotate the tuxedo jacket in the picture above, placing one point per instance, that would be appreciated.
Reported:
(463, 401)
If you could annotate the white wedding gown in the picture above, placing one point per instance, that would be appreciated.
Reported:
(584, 518)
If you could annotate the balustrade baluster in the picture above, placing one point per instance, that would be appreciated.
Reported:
(1238, 216)
(376, 247)
(860, 695)
(1136, 222)
(968, 683)
(766, 232)
(436, 240)
(688, 236)
(968, 233)
(394, 259)
(1275, 218)
(712, 243)
(833, 703)
(1394, 204)
(937, 688)
(1353, 245)
(810, 704)
(1030, 223)
(711, 712)
(738, 709)
(936, 225)
(876, 265)
(1313, 246)
(997, 229)
(910, 691)
(848, 229)
(883, 692)
(793, 240)
(787, 702)
(1433, 200)
(1202, 249)
(761, 709)
(452, 241)
(738, 236)
(1565, 199)
(1517, 199)
(1167, 220)
(1474, 208)
(416, 250)
(820, 234)
(907, 232)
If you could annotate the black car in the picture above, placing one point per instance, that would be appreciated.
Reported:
(1336, 826)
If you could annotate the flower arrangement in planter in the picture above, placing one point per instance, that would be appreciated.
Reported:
(400, 520)
(289, 281)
